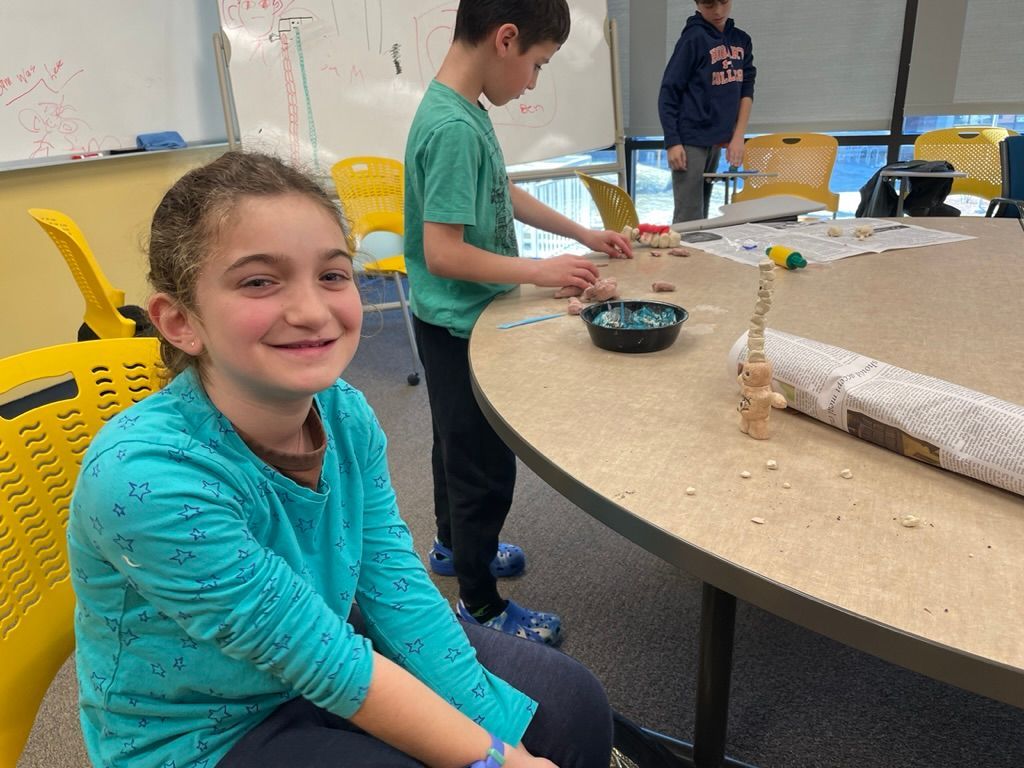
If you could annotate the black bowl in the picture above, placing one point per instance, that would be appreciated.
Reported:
(633, 339)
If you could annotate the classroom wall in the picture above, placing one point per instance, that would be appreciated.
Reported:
(112, 201)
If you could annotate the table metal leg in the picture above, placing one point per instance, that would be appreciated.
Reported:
(717, 625)
(903, 195)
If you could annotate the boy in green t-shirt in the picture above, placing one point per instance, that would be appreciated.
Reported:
(460, 249)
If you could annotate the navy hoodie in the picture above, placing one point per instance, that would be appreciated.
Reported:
(708, 74)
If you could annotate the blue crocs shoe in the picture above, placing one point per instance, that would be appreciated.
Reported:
(510, 560)
(521, 622)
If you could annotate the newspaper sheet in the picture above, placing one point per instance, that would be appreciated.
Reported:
(746, 243)
(919, 416)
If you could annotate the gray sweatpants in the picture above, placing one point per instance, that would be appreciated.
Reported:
(692, 195)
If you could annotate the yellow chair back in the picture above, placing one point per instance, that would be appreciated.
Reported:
(40, 452)
(803, 162)
(613, 203)
(973, 149)
(101, 298)
(372, 194)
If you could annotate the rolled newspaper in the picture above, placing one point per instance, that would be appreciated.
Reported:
(919, 416)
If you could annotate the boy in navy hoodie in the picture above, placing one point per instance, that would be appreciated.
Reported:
(706, 94)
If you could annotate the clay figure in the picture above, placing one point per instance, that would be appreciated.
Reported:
(757, 399)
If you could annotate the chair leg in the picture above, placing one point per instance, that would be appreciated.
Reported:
(414, 377)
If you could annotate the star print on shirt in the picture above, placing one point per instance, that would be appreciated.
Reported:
(453, 654)
(127, 422)
(220, 714)
(212, 445)
(188, 512)
(380, 557)
(197, 534)
(119, 510)
(401, 585)
(96, 524)
(415, 646)
(138, 490)
(379, 481)
(128, 545)
(121, 454)
(305, 525)
(479, 719)
(158, 670)
(176, 455)
(398, 531)
(212, 486)
(179, 663)
(95, 471)
(129, 637)
(180, 556)
(112, 624)
(98, 682)
(478, 691)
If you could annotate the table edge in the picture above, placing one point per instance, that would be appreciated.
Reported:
(967, 671)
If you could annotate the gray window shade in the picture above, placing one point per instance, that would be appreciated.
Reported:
(977, 68)
(823, 66)
(820, 65)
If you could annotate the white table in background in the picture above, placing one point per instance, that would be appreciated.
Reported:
(760, 209)
(732, 178)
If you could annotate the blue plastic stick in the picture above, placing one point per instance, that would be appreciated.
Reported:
(528, 320)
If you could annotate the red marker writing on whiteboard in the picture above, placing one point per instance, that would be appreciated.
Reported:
(87, 154)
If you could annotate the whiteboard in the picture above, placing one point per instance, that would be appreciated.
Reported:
(314, 81)
(80, 77)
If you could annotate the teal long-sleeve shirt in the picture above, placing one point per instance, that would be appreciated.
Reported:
(211, 588)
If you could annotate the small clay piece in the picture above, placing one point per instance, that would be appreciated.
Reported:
(772, 464)
(655, 253)
(575, 305)
(568, 290)
(690, 491)
(910, 521)
(787, 486)
(604, 289)
(660, 286)
(678, 251)
(834, 231)
(846, 474)
(745, 475)
(758, 520)
(863, 232)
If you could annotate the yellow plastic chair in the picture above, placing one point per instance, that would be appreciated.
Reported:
(372, 195)
(973, 149)
(101, 298)
(40, 453)
(613, 203)
(803, 163)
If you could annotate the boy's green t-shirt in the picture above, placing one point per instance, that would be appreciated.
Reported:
(454, 174)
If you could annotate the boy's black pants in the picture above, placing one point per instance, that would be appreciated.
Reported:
(474, 471)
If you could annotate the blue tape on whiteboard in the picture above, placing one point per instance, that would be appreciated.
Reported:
(160, 140)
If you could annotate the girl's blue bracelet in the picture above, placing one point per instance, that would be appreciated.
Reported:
(495, 757)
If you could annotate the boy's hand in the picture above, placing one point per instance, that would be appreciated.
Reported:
(677, 157)
(564, 270)
(611, 243)
(734, 151)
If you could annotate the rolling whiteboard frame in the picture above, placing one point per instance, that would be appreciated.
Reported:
(222, 57)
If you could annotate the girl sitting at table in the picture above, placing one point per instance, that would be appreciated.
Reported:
(247, 591)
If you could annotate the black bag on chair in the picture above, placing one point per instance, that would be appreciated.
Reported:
(926, 197)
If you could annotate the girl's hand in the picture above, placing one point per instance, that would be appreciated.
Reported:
(611, 243)
(521, 758)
